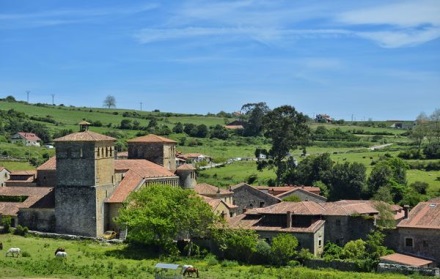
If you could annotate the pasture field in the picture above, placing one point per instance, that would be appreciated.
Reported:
(92, 259)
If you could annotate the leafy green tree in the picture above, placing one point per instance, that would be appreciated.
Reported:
(287, 130)
(387, 172)
(347, 181)
(332, 251)
(219, 132)
(126, 124)
(178, 128)
(354, 250)
(253, 113)
(202, 131)
(283, 248)
(158, 214)
(236, 244)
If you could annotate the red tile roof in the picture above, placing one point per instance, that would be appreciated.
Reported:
(425, 215)
(29, 136)
(244, 221)
(50, 164)
(135, 173)
(210, 190)
(186, 167)
(85, 136)
(313, 194)
(405, 260)
(151, 138)
(34, 198)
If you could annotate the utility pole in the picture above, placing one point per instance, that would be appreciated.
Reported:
(53, 96)
(141, 105)
(27, 93)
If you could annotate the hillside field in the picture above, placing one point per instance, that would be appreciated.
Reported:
(94, 259)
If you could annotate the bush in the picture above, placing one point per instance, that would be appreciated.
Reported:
(20, 230)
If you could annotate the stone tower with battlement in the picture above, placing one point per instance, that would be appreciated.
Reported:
(85, 178)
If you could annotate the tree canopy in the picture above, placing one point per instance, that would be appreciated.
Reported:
(158, 214)
(287, 130)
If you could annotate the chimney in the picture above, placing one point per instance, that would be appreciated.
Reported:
(289, 219)
(406, 210)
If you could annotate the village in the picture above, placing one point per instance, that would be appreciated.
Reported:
(81, 189)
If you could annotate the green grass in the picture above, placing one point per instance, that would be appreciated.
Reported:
(90, 259)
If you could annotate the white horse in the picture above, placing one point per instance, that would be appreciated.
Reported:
(13, 252)
(61, 254)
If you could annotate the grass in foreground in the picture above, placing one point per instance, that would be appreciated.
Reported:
(90, 259)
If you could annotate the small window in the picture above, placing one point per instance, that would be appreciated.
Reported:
(262, 204)
(338, 222)
(425, 243)
(409, 242)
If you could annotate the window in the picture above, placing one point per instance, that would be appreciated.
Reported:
(409, 242)
(425, 243)
(338, 222)
(262, 204)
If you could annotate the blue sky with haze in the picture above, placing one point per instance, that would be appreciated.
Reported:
(362, 59)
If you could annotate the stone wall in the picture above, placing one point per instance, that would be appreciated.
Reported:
(403, 269)
(47, 178)
(245, 197)
(342, 229)
(39, 219)
(425, 243)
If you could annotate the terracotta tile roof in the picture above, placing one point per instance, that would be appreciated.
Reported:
(313, 194)
(245, 221)
(425, 215)
(343, 208)
(186, 167)
(135, 173)
(297, 208)
(151, 138)
(50, 164)
(405, 260)
(129, 183)
(397, 209)
(37, 197)
(143, 167)
(282, 189)
(24, 172)
(29, 136)
(85, 136)
(210, 190)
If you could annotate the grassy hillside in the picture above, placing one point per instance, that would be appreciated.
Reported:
(91, 259)
(220, 150)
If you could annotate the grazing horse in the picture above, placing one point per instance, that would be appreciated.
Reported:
(61, 254)
(189, 271)
(13, 252)
(59, 249)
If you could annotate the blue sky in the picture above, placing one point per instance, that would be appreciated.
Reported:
(350, 59)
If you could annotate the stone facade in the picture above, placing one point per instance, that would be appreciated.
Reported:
(160, 153)
(342, 229)
(38, 219)
(85, 178)
(247, 197)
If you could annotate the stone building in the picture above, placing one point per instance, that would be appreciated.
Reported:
(247, 197)
(4, 176)
(90, 184)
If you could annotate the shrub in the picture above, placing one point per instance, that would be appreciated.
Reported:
(20, 230)
(26, 254)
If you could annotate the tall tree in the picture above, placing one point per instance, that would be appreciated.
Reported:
(348, 181)
(253, 113)
(110, 101)
(287, 129)
(159, 214)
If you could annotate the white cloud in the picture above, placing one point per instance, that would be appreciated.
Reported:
(401, 38)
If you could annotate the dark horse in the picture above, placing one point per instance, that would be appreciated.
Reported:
(189, 271)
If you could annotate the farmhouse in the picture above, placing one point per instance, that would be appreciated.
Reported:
(27, 139)
(418, 233)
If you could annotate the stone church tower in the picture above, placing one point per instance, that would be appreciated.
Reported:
(85, 178)
(156, 149)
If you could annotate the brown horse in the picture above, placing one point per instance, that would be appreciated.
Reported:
(189, 271)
